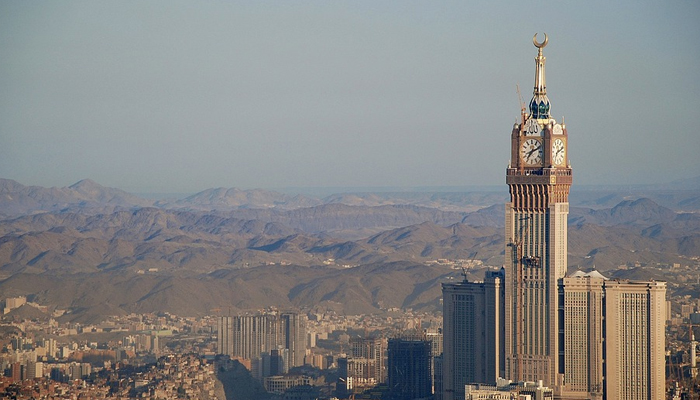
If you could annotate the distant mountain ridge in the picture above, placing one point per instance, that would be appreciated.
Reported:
(17, 199)
(233, 198)
(197, 242)
(88, 196)
(99, 250)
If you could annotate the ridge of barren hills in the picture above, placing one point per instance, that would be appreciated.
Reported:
(88, 196)
(367, 289)
(99, 251)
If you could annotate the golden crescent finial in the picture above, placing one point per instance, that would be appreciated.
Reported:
(540, 45)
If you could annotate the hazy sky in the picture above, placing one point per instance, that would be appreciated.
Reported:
(168, 96)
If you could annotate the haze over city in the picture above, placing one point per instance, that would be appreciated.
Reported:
(340, 200)
(183, 96)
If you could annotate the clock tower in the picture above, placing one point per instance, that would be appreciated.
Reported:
(538, 177)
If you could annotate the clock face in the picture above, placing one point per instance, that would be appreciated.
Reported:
(558, 152)
(531, 151)
(532, 128)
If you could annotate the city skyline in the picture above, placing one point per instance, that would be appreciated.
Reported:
(549, 335)
(179, 98)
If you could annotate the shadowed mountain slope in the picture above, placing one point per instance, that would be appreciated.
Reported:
(109, 255)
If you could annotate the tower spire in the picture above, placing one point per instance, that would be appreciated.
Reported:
(539, 105)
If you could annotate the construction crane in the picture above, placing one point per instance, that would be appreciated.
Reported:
(520, 100)
(464, 274)
(469, 263)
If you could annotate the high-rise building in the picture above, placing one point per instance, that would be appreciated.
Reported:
(254, 334)
(634, 317)
(17, 371)
(294, 333)
(434, 336)
(538, 178)
(374, 351)
(79, 370)
(35, 369)
(279, 361)
(224, 333)
(409, 369)
(583, 336)
(613, 338)
(364, 367)
(249, 336)
(438, 387)
(473, 324)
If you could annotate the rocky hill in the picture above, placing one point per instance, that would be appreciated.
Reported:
(85, 196)
(17, 199)
(112, 255)
(224, 199)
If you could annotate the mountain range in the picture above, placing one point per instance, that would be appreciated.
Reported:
(96, 250)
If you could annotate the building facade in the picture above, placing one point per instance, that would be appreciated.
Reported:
(634, 315)
(473, 323)
(365, 366)
(505, 390)
(614, 338)
(583, 336)
(409, 369)
(251, 336)
(294, 333)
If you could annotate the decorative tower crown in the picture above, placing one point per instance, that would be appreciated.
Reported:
(539, 105)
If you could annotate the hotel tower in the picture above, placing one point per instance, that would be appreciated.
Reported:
(583, 336)
(538, 178)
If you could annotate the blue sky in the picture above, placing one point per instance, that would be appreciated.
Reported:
(168, 96)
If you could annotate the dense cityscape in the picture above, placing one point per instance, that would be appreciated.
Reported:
(532, 328)
(167, 356)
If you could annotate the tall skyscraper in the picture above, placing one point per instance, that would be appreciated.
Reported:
(254, 334)
(634, 329)
(538, 178)
(614, 339)
(248, 336)
(434, 336)
(224, 335)
(294, 332)
(473, 334)
(409, 369)
(584, 336)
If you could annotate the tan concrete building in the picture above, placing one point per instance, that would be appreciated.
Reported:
(583, 336)
(614, 338)
(506, 390)
(635, 316)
